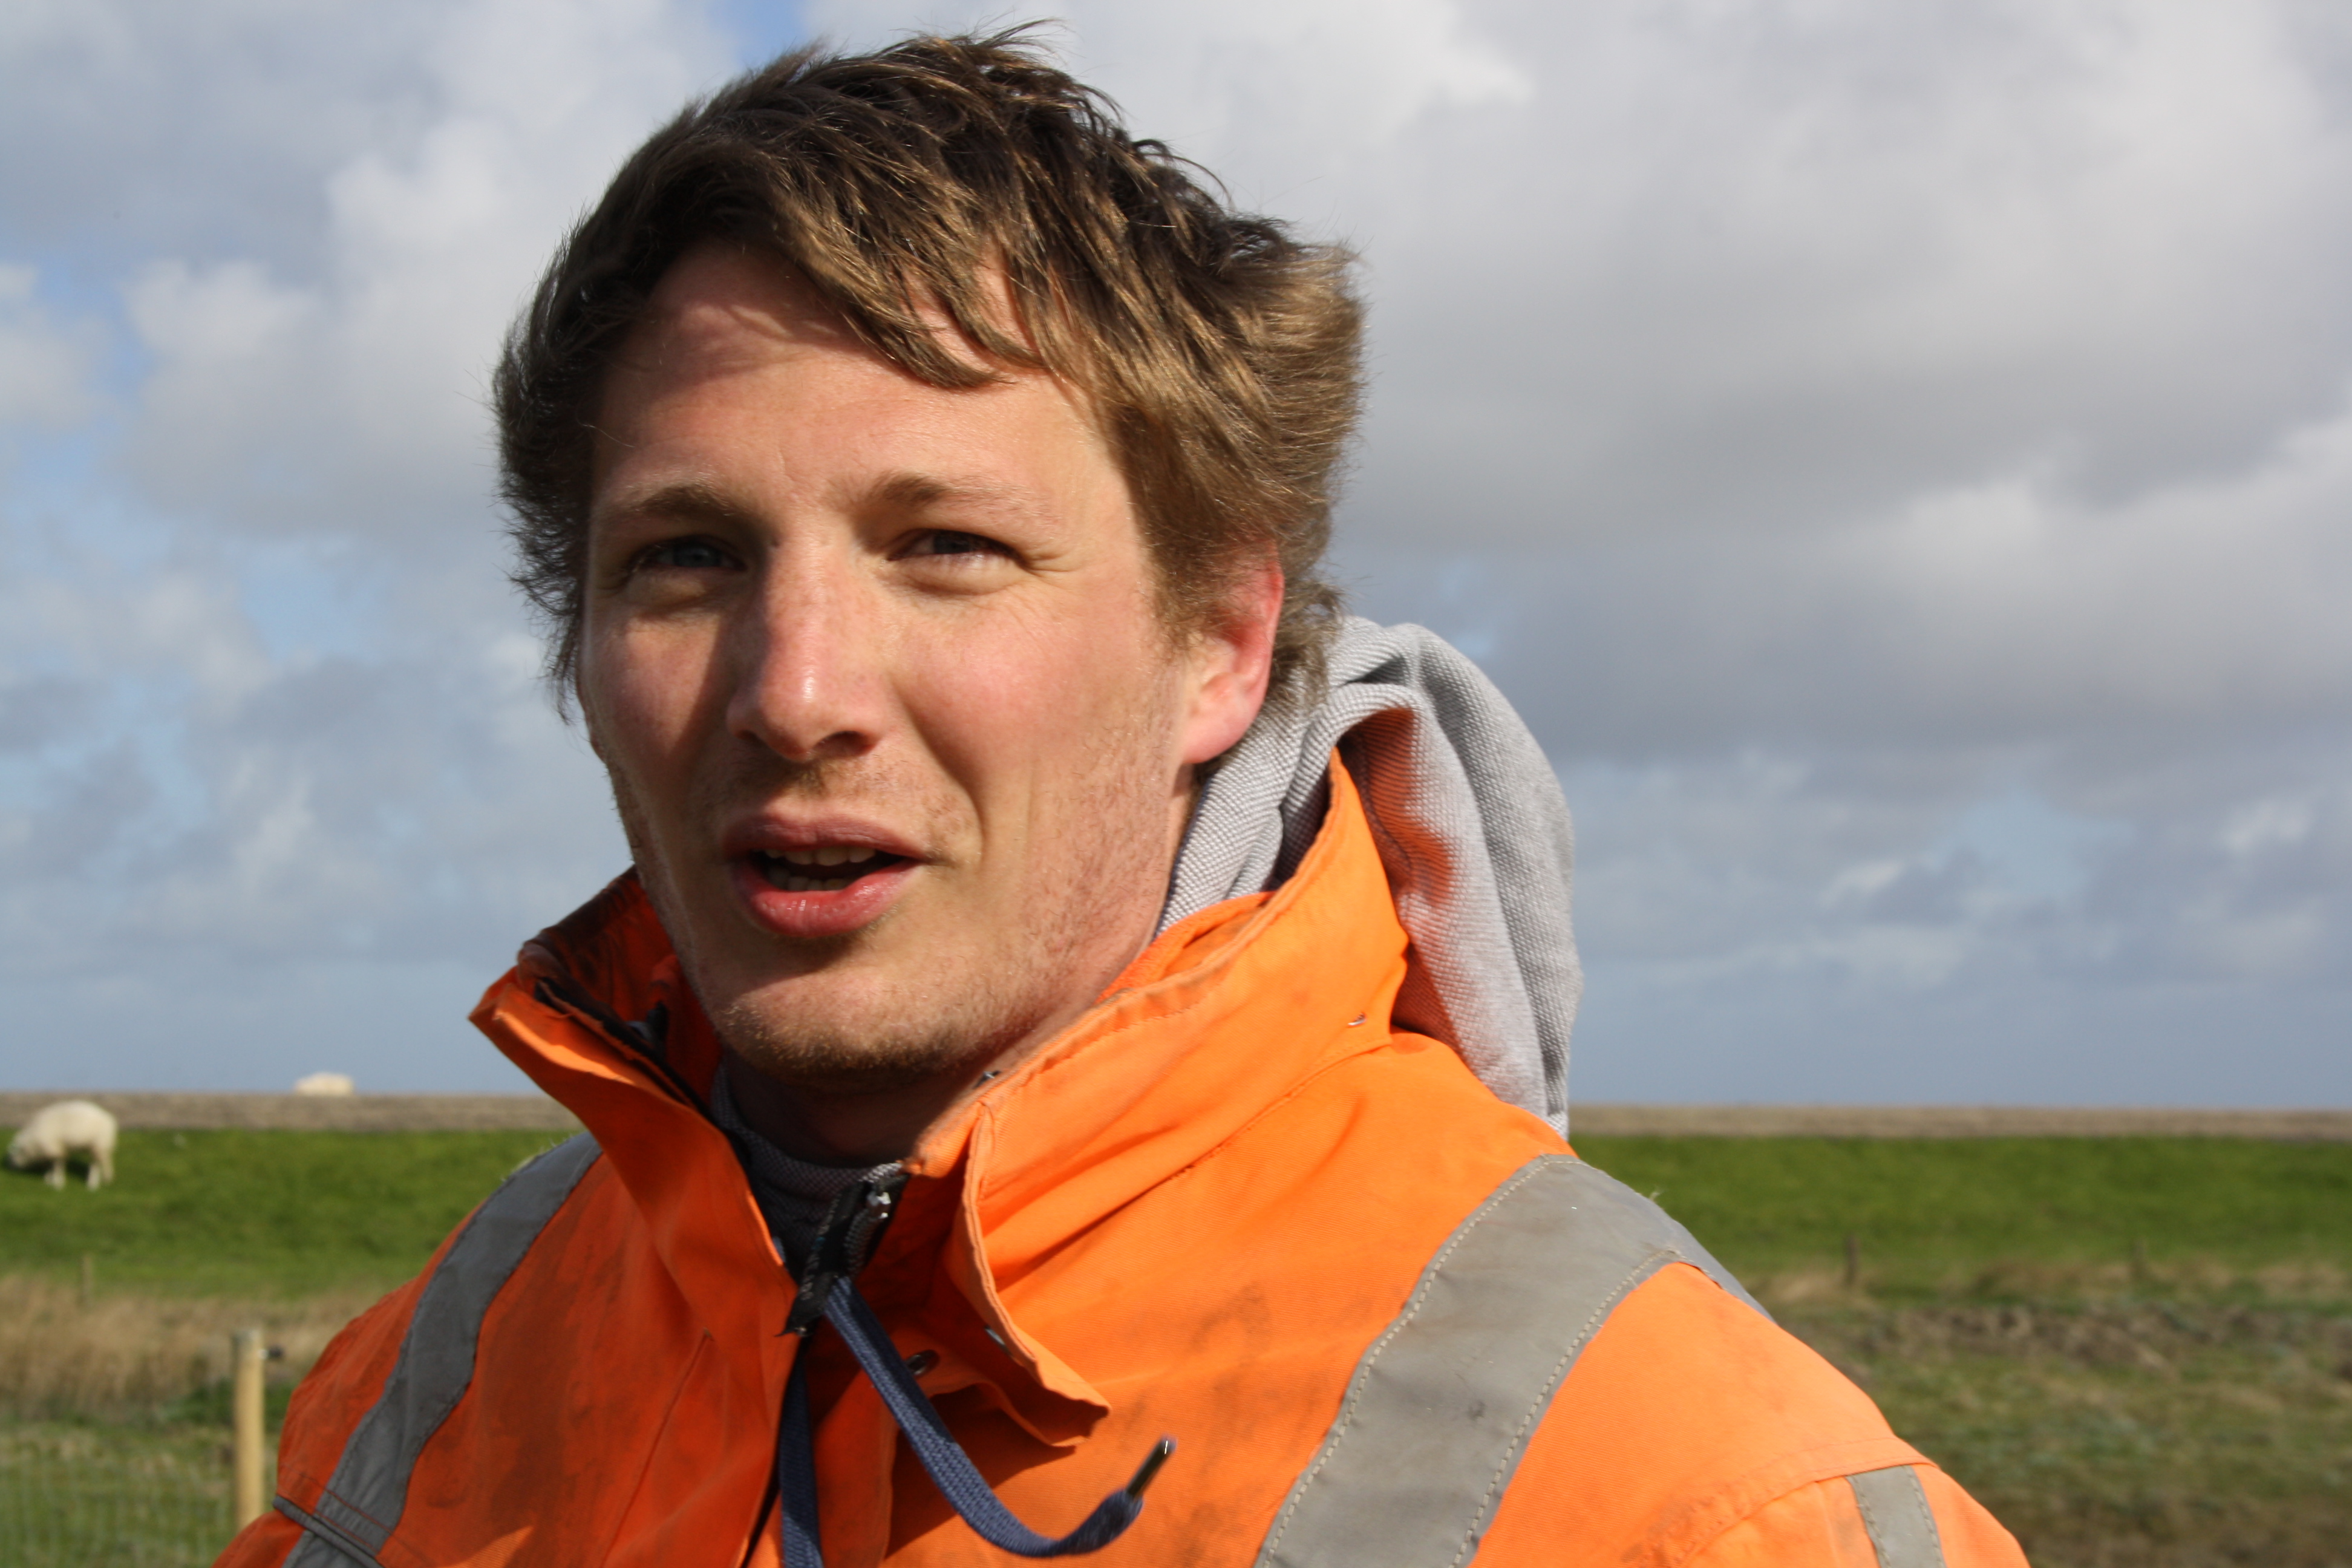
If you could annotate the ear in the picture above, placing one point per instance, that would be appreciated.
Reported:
(1231, 661)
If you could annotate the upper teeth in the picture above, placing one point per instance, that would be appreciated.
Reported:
(827, 855)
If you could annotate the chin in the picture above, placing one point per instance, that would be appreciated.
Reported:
(798, 1041)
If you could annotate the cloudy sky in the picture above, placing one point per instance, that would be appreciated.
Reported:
(1897, 453)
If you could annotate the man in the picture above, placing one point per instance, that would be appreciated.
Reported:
(1085, 1022)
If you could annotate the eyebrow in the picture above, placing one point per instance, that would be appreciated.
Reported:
(912, 490)
(689, 501)
(697, 500)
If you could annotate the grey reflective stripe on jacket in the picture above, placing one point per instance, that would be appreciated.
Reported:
(1895, 1510)
(1444, 1403)
(368, 1492)
(1432, 1426)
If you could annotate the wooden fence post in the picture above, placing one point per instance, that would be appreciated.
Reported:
(247, 1358)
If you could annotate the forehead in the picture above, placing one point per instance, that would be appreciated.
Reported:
(722, 309)
(735, 347)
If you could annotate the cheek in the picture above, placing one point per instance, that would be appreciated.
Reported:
(1043, 696)
(638, 693)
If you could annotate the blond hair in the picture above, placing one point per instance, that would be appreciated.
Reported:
(943, 175)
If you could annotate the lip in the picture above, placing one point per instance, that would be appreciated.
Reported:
(815, 915)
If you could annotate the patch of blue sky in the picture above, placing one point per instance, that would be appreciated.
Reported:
(84, 287)
(2038, 850)
(51, 471)
(24, 777)
(140, 717)
(762, 29)
(309, 598)
(66, 513)
(63, 515)
(81, 275)
(64, 503)
(1462, 595)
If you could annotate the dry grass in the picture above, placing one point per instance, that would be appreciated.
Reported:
(120, 1354)
(76, 1496)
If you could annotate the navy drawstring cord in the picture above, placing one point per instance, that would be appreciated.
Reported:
(835, 1295)
(796, 1477)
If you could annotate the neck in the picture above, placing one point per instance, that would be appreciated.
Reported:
(867, 1127)
(825, 1128)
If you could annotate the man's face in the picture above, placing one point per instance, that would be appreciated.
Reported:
(901, 744)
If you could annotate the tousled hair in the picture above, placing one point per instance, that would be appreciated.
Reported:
(946, 176)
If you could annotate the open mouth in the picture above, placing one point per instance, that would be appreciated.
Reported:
(826, 869)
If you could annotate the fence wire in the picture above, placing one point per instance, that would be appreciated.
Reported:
(104, 1497)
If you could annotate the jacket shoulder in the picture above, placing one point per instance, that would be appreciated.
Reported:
(1690, 1414)
(1904, 1516)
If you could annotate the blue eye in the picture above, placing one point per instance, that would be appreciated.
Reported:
(688, 555)
(947, 542)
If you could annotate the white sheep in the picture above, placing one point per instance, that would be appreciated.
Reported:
(58, 1132)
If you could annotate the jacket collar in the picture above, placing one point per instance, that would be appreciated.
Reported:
(1221, 1016)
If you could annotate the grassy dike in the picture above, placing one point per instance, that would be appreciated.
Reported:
(2136, 1349)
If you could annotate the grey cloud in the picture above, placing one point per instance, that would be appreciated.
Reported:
(314, 223)
(1774, 270)
(77, 832)
(1894, 454)
(1678, 266)
(1944, 369)
(136, 126)
(305, 231)
(34, 709)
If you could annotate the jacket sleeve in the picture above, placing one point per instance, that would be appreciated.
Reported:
(264, 1543)
(1909, 1516)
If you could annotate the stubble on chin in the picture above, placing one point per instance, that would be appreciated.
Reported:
(1080, 921)
(1109, 870)
(836, 1059)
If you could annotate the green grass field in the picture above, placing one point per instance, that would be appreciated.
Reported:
(1930, 1216)
(2135, 1351)
(255, 1214)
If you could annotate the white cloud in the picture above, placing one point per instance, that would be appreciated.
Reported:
(1895, 451)
(350, 398)
(1268, 96)
(2267, 823)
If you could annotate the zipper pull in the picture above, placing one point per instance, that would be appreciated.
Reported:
(853, 1230)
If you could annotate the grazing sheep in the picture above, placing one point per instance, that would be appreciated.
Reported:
(58, 1132)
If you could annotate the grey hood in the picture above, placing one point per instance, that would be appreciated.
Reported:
(1472, 829)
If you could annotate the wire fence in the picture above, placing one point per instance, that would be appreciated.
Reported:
(97, 1496)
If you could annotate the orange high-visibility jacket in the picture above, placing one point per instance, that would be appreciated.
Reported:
(1207, 1210)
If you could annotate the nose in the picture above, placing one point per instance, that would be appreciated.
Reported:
(808, 682)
